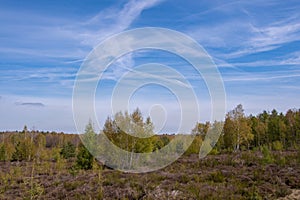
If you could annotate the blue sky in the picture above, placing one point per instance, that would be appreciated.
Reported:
(255, 45)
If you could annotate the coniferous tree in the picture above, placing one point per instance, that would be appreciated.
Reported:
(84, 158)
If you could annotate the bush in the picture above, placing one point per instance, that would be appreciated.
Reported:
(84, 158)
(216, 177)
(214, 151)
(2, 153)
(68, 151)
(277, 146)
(267, 155)
(20, 153)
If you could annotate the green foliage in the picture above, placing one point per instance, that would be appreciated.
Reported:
(89, 138)
(214, 151)
(237, 129)
(56, 156)
(277, 146)
(201, 129)
(267, 155)
(2, 153)
(84, 158)
(280, 160)
(36, 190)
(252, 194)
(23, 151)
(68, 151)
(195, 146)
(216, 177)
(131, 132)
(273, 129)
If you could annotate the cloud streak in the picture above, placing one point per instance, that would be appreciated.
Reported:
(31, 104)
(67, 38)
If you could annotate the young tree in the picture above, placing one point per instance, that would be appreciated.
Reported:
(89, 138)
(84, 158)
(2, 152)
(68, 150)
(24, 148)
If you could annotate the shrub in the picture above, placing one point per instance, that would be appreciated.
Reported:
(68, 151)
(267, 155)
(279, 159)
(20, 152)
(84, 158)
(214, 151)
(277, 146)
(216, 177)
(2, 153)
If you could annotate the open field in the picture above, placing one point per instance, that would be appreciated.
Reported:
(244, 175)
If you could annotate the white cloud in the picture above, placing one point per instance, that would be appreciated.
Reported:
(111, 21)
(268, 38)
(64, 37)
(242, 29)
(259, 77)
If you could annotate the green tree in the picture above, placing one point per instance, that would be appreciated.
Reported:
(24, 149)
(88, 148)
(259, 130)
(89, 138)
(68, 150)
(292, 118)
(2, 153)
(273, 126)
(195, 146)
(84, 158)
(201, 129)
(131, 133)
(237, 129)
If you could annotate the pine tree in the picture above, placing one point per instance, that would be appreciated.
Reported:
(68, 151)
(84, 158)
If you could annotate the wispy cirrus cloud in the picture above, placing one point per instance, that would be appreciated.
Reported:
(113, 20)
(255, 44)
(49, 49)
(66, 38)
(239, 30)
(258, 77)
(289, 59)
(268, 38)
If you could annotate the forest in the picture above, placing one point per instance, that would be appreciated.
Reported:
(255, 157)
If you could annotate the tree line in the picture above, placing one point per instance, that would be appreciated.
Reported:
(277, 131)
(134, 134)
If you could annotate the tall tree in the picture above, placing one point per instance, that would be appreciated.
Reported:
(238, 130)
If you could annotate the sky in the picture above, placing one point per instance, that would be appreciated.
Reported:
(254, 44)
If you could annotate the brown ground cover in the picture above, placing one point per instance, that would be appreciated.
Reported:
(243, 175)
